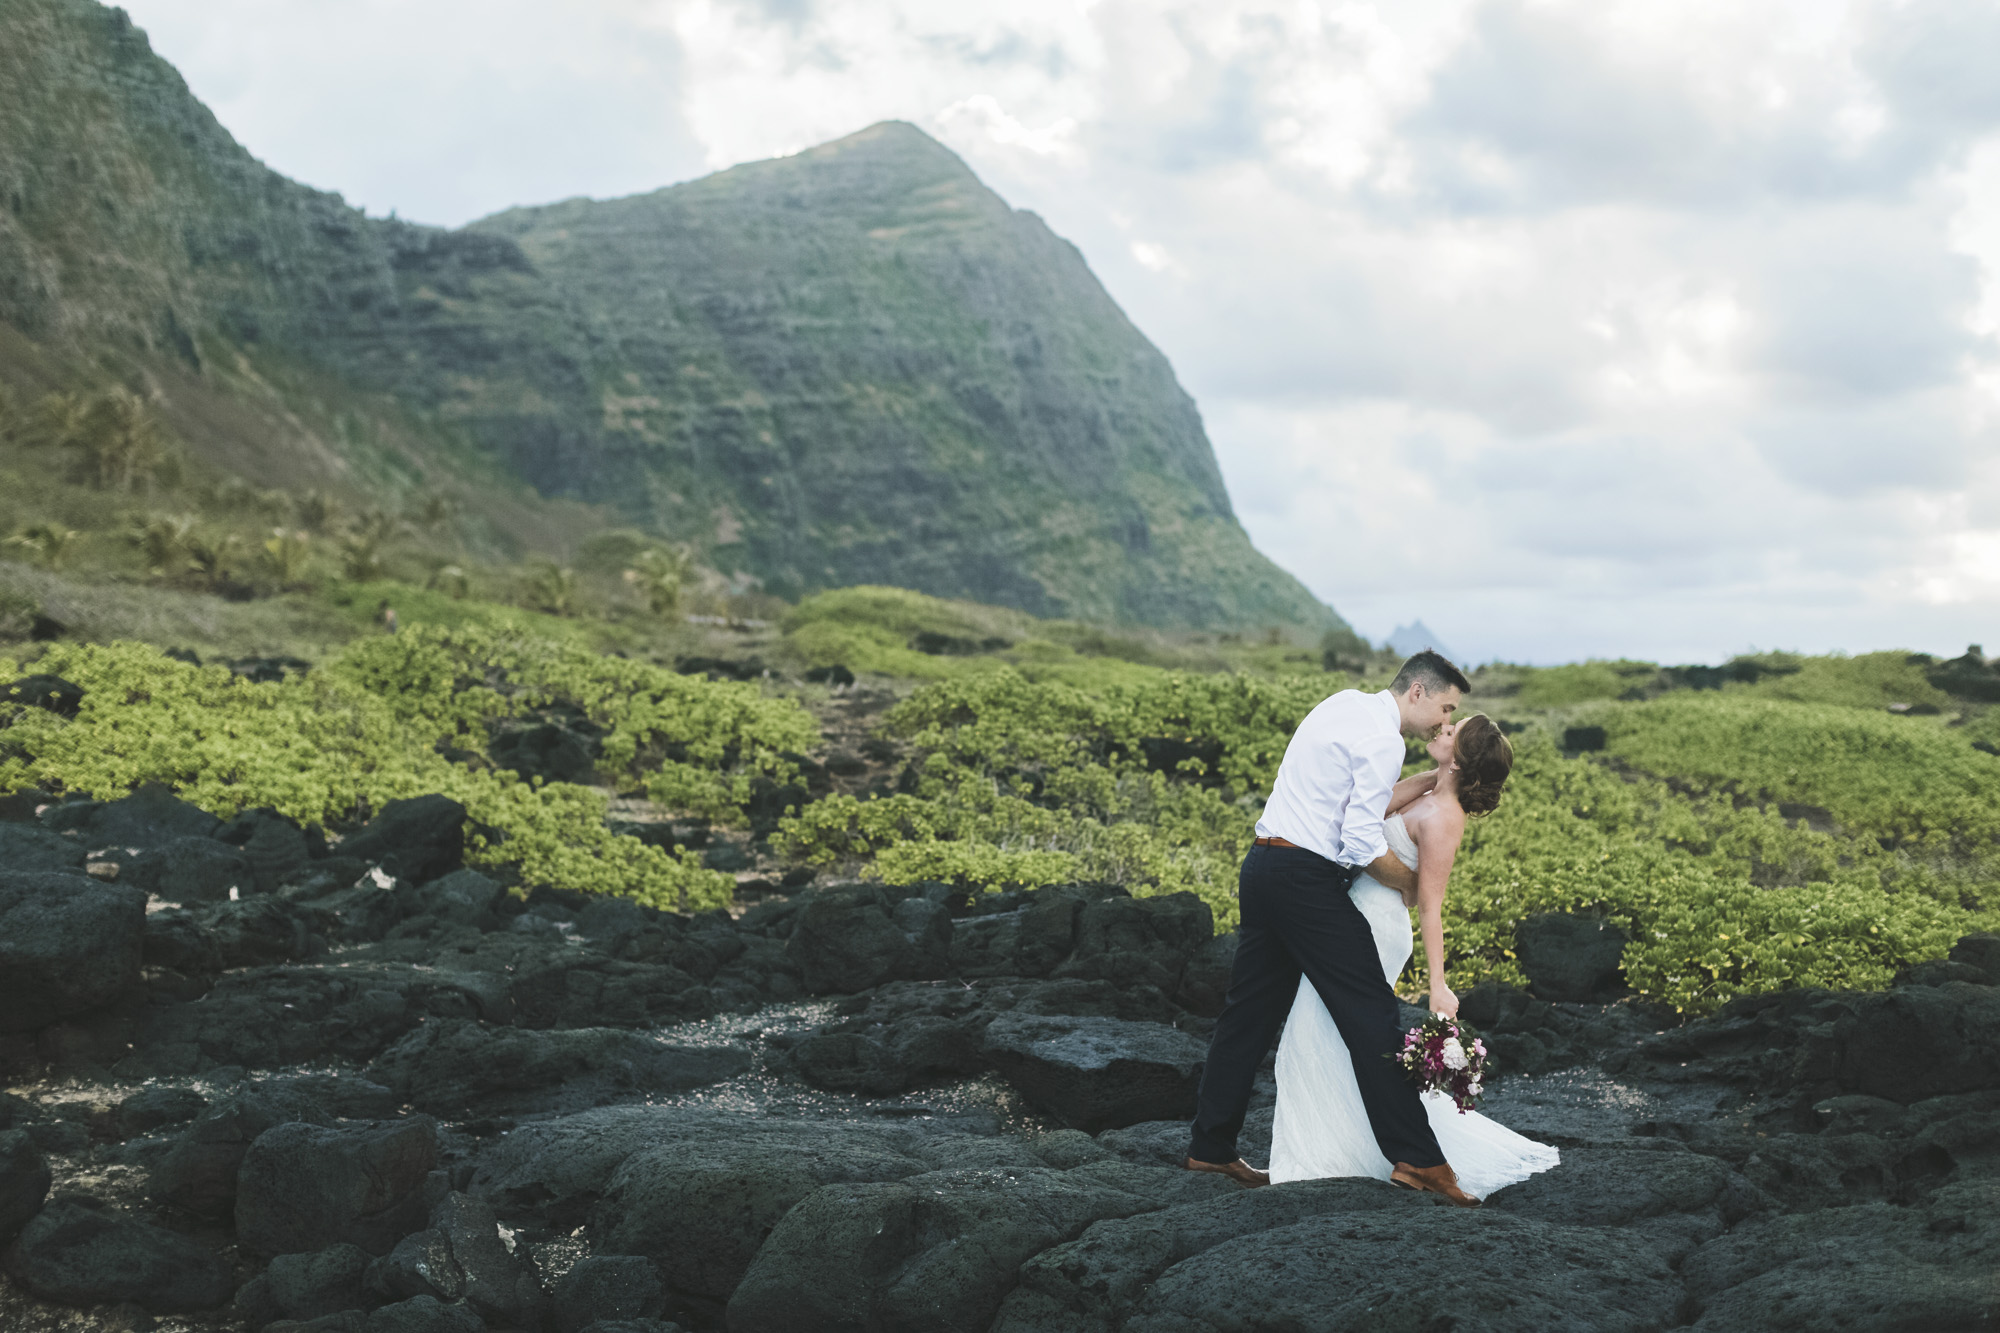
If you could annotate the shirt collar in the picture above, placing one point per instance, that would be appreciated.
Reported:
(1388, 701)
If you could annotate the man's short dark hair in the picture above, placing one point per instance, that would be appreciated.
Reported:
(1434, 671)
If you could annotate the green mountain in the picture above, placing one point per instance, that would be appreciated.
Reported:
(855, 365)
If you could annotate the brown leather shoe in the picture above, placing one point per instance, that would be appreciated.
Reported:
(1239, 1171)
(1440, 1180)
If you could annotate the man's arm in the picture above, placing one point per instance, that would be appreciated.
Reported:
(1376, 762)
(1389, 869)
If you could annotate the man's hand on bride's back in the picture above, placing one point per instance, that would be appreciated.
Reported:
(1443, 1001)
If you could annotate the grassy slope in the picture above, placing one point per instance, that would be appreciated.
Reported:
(1783, 829)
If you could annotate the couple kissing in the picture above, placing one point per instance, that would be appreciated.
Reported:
(1343, 851)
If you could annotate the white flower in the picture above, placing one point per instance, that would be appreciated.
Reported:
(1454, 1054)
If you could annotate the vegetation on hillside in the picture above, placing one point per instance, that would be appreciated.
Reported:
(412, 714)
(851, 363)
(1778, 820)
(1742, 842)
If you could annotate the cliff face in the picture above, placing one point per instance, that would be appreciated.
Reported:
(853, 365)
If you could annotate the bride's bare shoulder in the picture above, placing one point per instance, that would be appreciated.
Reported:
(1434, 817)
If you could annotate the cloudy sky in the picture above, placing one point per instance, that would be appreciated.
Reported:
(1575, 327)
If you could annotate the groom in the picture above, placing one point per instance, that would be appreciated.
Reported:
(1321, 829)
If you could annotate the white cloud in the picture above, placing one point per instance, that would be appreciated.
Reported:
(443, 110)
(1571, 326)
(1155, 258)
(1056, 139)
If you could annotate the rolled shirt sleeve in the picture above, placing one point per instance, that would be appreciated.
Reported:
(1377, 763)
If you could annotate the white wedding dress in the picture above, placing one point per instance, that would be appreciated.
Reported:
(1321, 1128)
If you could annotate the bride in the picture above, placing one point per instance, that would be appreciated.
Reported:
(1321, 1128)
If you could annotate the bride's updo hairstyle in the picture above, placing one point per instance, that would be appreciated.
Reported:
(1484, 757)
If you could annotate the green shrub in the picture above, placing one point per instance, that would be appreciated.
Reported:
(1870, 680)
(1904, 780)
(1582, 682)
(329, 746)
(1151, 786)
(688, 742)
(1677, 834)
(1677, 875)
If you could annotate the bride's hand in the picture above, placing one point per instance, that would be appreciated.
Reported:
(1443, 1001)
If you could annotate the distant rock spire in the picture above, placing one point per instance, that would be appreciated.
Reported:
(1417, 636)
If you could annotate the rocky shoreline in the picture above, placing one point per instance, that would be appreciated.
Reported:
(261, 1082)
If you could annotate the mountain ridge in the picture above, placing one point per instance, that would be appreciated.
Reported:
(854, 365)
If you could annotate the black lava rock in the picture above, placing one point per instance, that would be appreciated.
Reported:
(82, 1252)
(720, 668)
(25, 847)
(322, 1282)
(423, 1314)
(1921, 1042)
(50, 693)
(1981, 951)
(177, 942)
(462, 898)
(701, 1206)
(304, 1187)
(608, 1287)
(934, 1251)
(449, 1066)
(550, 751)
(258, 931)
(191, 870)
(836, 675)
(68, 944)
(199, 1172)
(416, 839)
(149, 1108)
(24, 1181)
(460, 1258)
(267, 670)
(1342, 1271)
(149, 817)
(278, 850)
(1095, 1074)
(1570, 957)
(857, 936)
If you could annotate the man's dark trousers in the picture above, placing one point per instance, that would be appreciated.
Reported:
(1297, 918)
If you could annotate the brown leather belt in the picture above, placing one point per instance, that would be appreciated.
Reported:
(1279, 842)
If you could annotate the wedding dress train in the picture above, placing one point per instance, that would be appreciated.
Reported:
(1321, 1128)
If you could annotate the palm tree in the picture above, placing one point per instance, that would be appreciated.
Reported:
(317, 512)
(120, 440)
(286, 552)
(553, 589)
(163, 543)
(452, 581)
(434, 512)
(57, 421)
(658, 575)
(48, 542)
(237, 496)
(361, 545)
(215, 556)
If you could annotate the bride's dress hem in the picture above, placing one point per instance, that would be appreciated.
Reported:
(1321, 1130)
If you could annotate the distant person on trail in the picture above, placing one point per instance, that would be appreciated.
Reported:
(388, 614)
(1325, 894)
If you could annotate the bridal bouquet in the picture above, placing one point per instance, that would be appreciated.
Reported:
(1444, 1055)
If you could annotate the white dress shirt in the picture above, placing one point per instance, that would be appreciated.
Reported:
(1333, 786)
